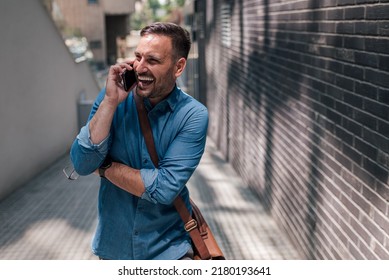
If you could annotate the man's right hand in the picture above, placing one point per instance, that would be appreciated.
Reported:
(115, 93)
(100, 124)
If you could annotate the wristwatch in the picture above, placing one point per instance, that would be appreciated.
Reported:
(104, 166)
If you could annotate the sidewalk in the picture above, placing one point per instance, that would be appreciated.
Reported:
(54, 218)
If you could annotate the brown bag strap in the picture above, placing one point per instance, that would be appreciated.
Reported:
(146, 129)
(190, 224)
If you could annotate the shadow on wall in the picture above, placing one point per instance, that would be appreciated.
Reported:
(261, 88)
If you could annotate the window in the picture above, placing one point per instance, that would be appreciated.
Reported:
(95, 44)
(93, 1)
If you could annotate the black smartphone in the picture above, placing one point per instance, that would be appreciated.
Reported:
(129, 79)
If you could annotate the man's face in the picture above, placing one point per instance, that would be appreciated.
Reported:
(155, 67)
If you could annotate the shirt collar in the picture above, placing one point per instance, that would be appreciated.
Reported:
(172, 98)
(168, 103)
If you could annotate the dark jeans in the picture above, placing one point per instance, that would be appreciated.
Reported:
(188, 256)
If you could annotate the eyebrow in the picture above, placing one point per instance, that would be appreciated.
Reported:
(149, 56)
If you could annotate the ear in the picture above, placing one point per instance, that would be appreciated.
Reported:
(180, 66)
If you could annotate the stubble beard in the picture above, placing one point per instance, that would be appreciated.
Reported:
(155, 91)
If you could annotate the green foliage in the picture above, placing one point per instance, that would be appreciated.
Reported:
(154, 5)
(180, 3)
(141, 18)
(154, 10)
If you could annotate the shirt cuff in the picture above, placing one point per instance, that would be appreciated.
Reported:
(85, 141)
(149, 176)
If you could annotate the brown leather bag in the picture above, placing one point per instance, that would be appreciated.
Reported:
(205, 246)
(204, 243)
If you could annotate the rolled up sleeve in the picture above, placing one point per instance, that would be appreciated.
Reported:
(85, 155)
(149, 176)
(84, 139)
(162, 185)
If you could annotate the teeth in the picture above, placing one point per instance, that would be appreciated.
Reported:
(146, 79)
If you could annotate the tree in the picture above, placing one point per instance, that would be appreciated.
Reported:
(154, 10)
(154, 6)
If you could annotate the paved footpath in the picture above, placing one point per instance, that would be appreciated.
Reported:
(52, 218)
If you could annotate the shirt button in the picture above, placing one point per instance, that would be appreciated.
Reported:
(136, 233)
(145, 161)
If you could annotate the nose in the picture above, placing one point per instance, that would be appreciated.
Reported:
(139, 66)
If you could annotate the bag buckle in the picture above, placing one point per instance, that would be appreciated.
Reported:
(191, 225)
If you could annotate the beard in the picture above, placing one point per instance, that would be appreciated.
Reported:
(158, 88)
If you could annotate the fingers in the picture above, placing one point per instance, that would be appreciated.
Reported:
(114, 75)
(125, 65)
(116, 70)
(114, 79)
(129, 61)
(120, 67)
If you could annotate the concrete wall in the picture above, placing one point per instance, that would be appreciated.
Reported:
(298, 95)
(40, 86)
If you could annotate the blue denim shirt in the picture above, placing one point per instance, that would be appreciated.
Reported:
(149, 227)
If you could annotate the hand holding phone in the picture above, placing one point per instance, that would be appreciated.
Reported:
(129, 79)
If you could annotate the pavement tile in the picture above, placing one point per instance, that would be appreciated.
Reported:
(52, 218)
(238, 220)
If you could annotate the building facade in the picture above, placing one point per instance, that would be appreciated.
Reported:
(102, 22)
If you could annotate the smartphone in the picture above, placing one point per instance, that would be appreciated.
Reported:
(129, 79)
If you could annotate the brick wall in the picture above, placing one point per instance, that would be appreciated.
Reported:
(298, 95)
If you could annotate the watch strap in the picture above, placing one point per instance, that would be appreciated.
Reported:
(107, 163)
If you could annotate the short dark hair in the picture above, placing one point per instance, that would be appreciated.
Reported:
(180, 36)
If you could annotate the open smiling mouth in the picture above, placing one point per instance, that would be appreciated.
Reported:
(145, 81)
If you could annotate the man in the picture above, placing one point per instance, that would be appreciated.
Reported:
(137, 219)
